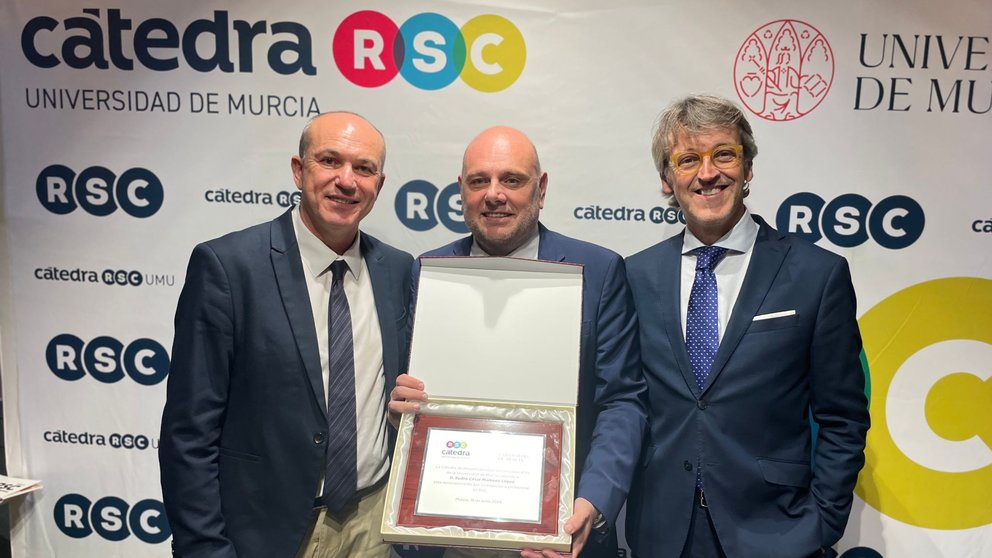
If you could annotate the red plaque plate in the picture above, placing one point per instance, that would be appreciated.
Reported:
(546, 517)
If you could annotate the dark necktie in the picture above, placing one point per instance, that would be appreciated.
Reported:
(702, 319)
(341, 472)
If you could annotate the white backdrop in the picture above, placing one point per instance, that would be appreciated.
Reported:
(132, 131)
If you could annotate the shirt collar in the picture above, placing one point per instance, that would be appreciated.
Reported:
(317, 257)
(739, 239)
(527, 250)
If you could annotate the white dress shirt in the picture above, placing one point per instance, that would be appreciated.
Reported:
(370, 381)
(527, 251)
(729, 271)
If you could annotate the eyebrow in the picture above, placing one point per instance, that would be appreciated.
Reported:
(336, 153)
(499, 174)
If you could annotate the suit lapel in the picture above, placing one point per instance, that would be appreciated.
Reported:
(670, 273)
(461, 247)
(384, 289)
(766, 260)
(548, 249)
(288, 268)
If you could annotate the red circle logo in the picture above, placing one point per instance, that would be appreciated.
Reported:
(784, 70)
(359, 44)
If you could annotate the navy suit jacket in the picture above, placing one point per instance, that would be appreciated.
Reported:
(611, 415)
(244, 428)
(751, 421)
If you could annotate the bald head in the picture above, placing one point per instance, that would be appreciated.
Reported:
(502, 188)
(502, 140)
(340, 120)
(339, 175)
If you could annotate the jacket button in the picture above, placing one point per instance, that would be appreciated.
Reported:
(687, 466)
(318, 438)
(701, 403)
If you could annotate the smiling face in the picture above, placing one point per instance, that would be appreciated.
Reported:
(339, 176)
(502, 190)
(711, 199)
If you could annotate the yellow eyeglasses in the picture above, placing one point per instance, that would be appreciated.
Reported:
(723, 157)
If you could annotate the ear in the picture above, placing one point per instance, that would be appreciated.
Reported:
(378, 186)
(750, 173)
(296, 164)
(666, 188)
(542, 188)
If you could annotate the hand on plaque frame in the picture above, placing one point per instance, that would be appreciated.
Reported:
(405, 397)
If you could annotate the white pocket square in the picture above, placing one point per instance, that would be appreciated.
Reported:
(772, 315)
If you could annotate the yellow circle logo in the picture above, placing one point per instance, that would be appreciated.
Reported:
(497, 53)
(929, 457)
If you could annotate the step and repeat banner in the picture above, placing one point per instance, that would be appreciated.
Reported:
(133, 130)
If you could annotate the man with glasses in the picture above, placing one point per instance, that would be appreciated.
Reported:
(289, 335)
(751, 348)
(502, 190)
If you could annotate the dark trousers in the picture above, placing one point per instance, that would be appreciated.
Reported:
(702, 541)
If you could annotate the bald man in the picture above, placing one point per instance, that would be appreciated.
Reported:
(502, 189)
(289, 335)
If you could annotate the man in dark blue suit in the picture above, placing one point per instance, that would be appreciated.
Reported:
(746, 334)
(279, 327)
(502, 189)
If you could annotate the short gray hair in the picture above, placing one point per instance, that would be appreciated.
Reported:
(694, 114)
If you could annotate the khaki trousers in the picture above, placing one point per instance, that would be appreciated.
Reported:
(353, 534)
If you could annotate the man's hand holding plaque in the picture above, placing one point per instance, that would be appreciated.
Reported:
(405, 397)
(584, 515)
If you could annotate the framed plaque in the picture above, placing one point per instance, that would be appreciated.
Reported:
(489, 461)
(482, 474)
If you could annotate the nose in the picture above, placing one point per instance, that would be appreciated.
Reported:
(346, 176)
(707, 170)
(494, 193)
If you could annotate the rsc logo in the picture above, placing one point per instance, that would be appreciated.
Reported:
(429, 51)
(98, 191)
(111, 518)
(930, 346)
(420, 206)
(847, 221)
(107, 360)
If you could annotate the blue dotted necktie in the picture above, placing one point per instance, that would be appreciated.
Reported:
(702, 320)
(341, 472)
